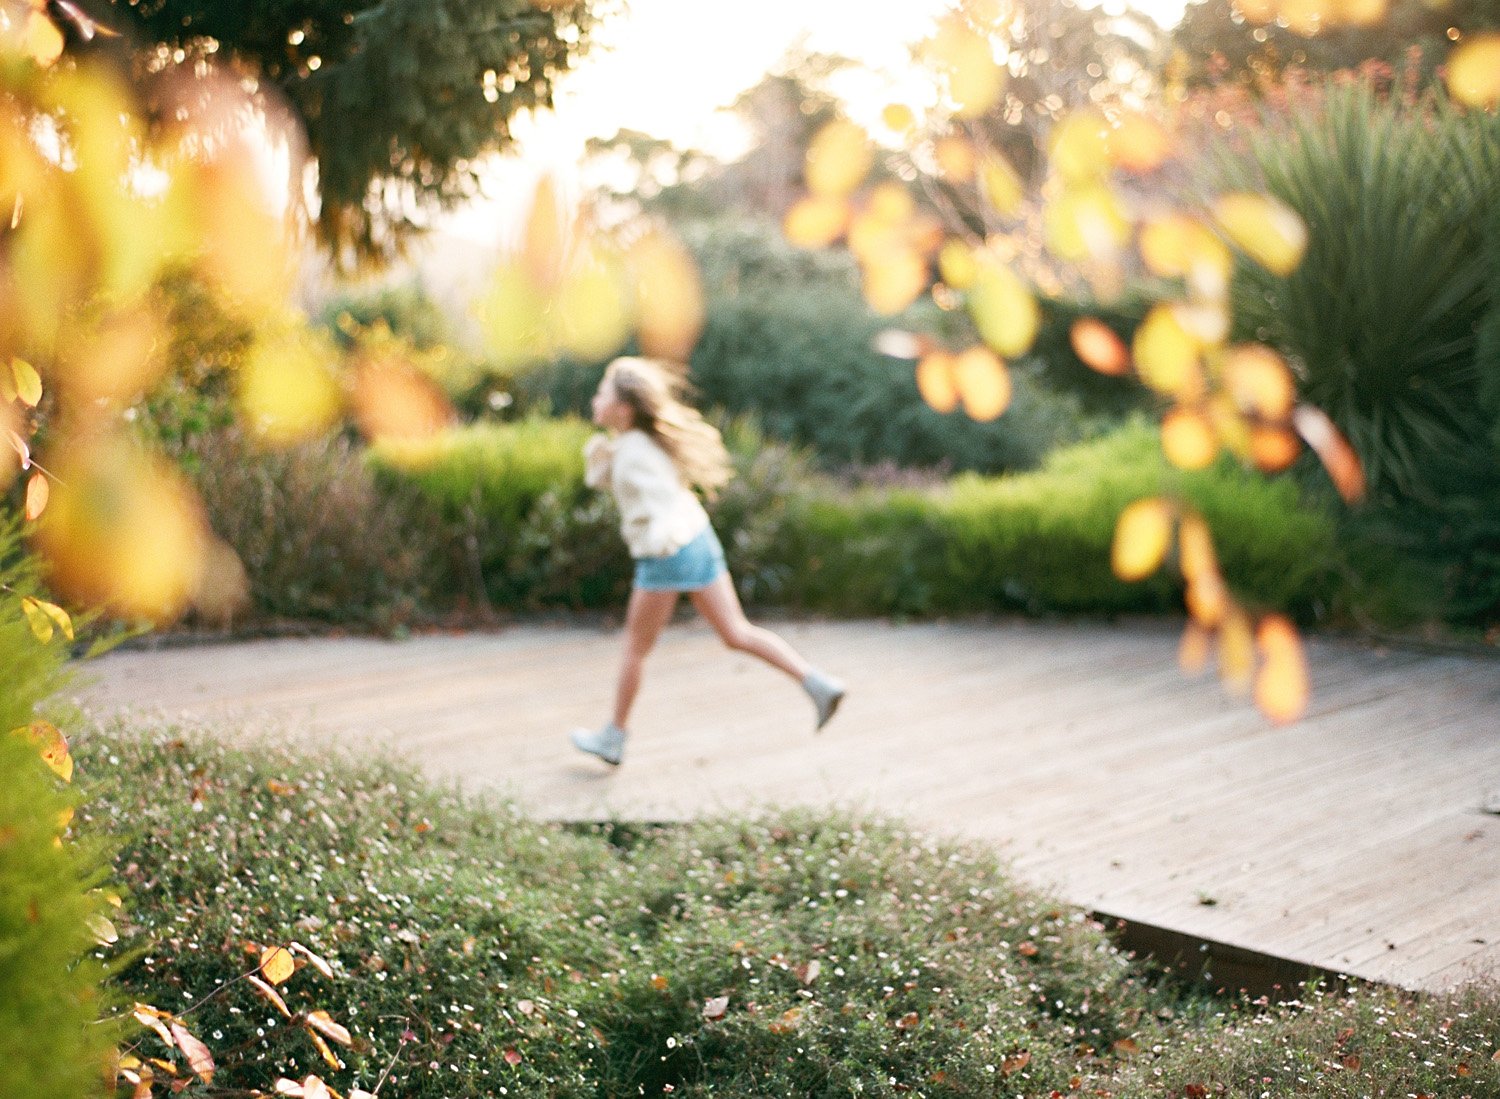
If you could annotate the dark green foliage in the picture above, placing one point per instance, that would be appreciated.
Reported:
(1390, 316)
(408, 311)
(51, 1043)
(395, 104)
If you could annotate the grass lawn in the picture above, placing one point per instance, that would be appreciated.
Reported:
(474, 952)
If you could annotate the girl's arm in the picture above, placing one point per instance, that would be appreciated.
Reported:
(598, 457)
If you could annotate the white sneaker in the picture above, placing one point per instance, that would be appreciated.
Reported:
(607, 743)
(826, 693)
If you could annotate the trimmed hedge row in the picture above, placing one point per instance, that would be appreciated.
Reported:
(512, 497)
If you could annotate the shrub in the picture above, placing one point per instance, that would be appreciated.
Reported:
(317, 539)
(788, 341)
(1387, 316)
(1035, 542)
(509, 503)
(51, 1041)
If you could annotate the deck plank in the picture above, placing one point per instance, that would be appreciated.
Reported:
(1352, 840)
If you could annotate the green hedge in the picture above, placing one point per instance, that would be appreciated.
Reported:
(52, 1043)
(1036, 542)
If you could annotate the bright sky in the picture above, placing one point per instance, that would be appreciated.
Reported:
(667, 67)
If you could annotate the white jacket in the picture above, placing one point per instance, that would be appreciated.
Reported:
(658, 513)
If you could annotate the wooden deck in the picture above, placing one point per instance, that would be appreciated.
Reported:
(1354, 841)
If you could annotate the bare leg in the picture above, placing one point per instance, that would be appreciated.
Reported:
(646, 615)
(720, 604)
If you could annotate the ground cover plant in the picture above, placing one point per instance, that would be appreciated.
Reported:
(474, 952)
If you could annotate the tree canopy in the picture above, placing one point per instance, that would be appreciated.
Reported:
(398, 98)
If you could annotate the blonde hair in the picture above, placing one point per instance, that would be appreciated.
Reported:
(655, 391)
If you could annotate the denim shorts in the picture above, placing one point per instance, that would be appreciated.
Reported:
(696, 565)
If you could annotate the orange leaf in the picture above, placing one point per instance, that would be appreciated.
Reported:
(936, 382)
(1273, 449)
(658, 982)
(669, 297)
(1281, 688)
(277, 964)
(894, 278)
(199, 1059)
(1014, 1064)
(1099, 346)
(270, 994)
(324, 1025)
(1126, 1046)
(329, 1056)
(1330, 445)
(43, 42)
(1260, 381)
(909, 1021)
(982, 382)
(1236, 651)
(393, 399)
(1142, 535)
(1193, 652)
(317, 962)
(1195, 549)
(37, 492)
(1139, 143)
(956, 159)
(52, 745)
(1207, 599)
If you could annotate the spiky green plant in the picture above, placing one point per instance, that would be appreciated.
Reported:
(1393, 317)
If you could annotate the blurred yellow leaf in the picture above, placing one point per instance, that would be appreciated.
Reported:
(957, 265)
(1195, 548)
(815, 221)
(898, 117)
(592, 313)
(892, 203)
(52, 745)
(1179, 246)
(277, 964)
(838, 159)
(1362, 13)
(1255, 11)
(670, 297)
(936, 382)
(1188, 439)
(894, 279)
(1086, 221)
(116, 357)
(547, 238)
(1337, 455)
(1099, 346)
(241, 225)
(286, 389)
(41, 626)
(1002, 186)
(982, 382)
(1259, 380)
(37, 492)
(512, 314)
(43, 42)
(1142, 535)
(393, 399)
(1167, 357)
(223, 586)
(956, 158)
(1004, 310)
(1194, 649)
(1207, 598)
(28, 384)
(1080, 147)
(1267, 230)
(1139, 143)
(1236, 651)
(966, 60)
(1281, 687)
(1474, 71)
